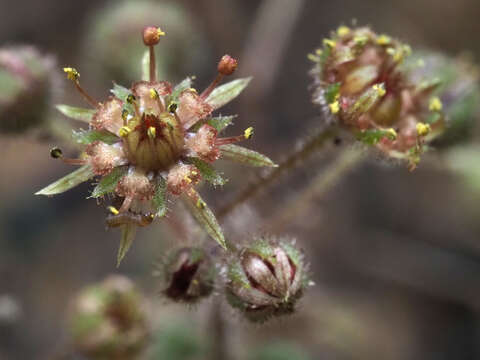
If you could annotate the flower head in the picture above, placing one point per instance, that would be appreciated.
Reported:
(154, 140)
(187, 274)
(27, 88)
(363, 84)
(108, 321)
(266, 279)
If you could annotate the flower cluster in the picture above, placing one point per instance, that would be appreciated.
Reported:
(361, 81)
(27, 88)
(108, 320)
(154, 140)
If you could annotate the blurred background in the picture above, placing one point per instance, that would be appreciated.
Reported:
(395, 256)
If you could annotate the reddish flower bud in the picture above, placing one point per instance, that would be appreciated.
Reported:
(227, 65)
(152, 35)
(267, 279)
(188, 274)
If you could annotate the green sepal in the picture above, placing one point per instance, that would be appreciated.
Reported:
(246, 156)
(331, 92)
(73, 179)
(86, 137)
(109, 182)
(366, 100)
(76, 113)
(178, 89)
(159, 201)
(128, 235)
(120, 92)
(373, 136)
(220, 123)
(227, 92)
(207, 171)
(205, 217)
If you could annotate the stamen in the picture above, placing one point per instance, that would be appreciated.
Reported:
(74, 75)
(247, 134)
(226, 66)
(57, 153)
(126, 204)
(151, 37)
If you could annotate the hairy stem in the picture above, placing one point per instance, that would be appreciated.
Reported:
(307, 149)
(218, 333)
(297, 207)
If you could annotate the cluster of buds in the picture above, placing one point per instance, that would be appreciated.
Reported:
(26, 92)
(187, 275)
(155, 140)
(108, 320)
(267, 279)
(361, 82)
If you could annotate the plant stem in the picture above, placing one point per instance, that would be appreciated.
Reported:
(307, 149)
(218, 334)
(297, 207)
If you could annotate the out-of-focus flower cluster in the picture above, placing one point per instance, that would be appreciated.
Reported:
(370, 84)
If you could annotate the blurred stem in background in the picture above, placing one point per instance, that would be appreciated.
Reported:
(328, 177)
(307, 149)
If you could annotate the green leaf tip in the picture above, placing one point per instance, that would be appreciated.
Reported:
(208, 172)
(76, 113)
(86, 137)
(227, 92)
(246, 156)
(73, 179)
(205, 217)
(109, 182)
(128, 235)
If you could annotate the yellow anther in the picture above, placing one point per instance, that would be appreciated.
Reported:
(319, 52)
(435, 104)
(151, 132)
(313, 58)
(194, 172)
(113, 210)
(391, 51)
(201, 204)
(248, 133)
(343, 30)
(187, 179)
(380, 89)
(154, 94)
(391, 134)
(124, 131)
(360, 39)
(193, 90)
(330, 43)
(334, 107)
(407, 50)
(160, 32)
(384, 40)
(72, 74)
(423, 129)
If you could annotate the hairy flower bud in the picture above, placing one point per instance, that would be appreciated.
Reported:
(361, 83)
(188, 275)
(107, 320)
(227, 65)
(267, 279)
(27, 88)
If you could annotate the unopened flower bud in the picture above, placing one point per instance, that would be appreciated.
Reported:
(28, 84)
(152, 35)
(227, 65)
(267, 279)
(108, 321)
(188, 274)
